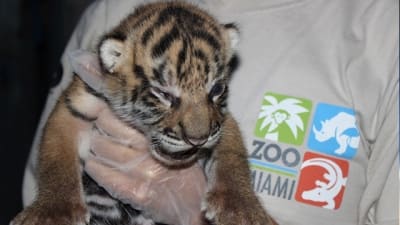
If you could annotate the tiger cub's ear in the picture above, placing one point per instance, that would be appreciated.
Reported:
(111, 52)
(233, 36)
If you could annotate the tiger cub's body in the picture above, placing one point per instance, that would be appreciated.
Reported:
(106, 210)
(165, 68)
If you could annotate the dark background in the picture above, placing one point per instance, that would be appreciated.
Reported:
(33, 34)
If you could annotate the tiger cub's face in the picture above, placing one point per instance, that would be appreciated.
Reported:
(167, 66)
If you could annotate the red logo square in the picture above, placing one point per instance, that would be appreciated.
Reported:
(322, 181)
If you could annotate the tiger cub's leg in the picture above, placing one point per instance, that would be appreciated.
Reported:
(59, 183)
(59, 198)
(230, 198)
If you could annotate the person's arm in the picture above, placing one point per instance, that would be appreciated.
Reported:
(84, 37)
(380, 200)
(100, 16)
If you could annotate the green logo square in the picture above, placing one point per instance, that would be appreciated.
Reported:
(283, 118)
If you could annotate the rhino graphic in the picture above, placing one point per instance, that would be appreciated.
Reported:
(325, 191)
(337, 127)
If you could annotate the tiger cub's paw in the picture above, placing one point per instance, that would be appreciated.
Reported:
(53, 214)
(231, 208)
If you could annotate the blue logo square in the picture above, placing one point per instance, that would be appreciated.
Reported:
(334, 131)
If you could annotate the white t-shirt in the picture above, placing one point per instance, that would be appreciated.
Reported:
(316, 96)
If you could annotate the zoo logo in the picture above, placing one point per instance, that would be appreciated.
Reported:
(334, 131)
(322, 181)
(283, 118)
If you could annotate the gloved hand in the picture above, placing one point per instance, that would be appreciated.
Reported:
(121, 163)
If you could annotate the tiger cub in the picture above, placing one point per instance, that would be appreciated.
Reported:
(165, 68)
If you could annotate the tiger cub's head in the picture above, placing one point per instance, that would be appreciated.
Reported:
(167, 66)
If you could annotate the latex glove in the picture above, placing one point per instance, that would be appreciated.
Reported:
(122, 165)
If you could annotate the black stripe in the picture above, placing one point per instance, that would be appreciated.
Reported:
(233, 64)
(99, 206)
(231, 26)
(139, 71)
(93, 92)
(134, 94)
(207, 37)
(198, 53)
(181, 14)
(182, 75)
(217, 58)
(223, 103)
(181, 57)
(158, 73)
(102, 219)
(163, 18)
(165, 42)
(148, 114)
(76, 113)
(207, 69)
(91, 187)
(206, 77)
(116, 34)
(183, 17)
(145, 116)
(125, 98)
(156, 122)
(144, 17)
(158, 76)
(155, 111)
(206, 156)
(147, 100)
(147, 35)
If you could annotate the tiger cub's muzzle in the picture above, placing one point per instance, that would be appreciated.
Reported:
(176, 149)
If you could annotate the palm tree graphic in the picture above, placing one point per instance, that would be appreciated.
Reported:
(277, 113)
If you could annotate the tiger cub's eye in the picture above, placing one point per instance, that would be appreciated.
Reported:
(165, 97)
(216, 91)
